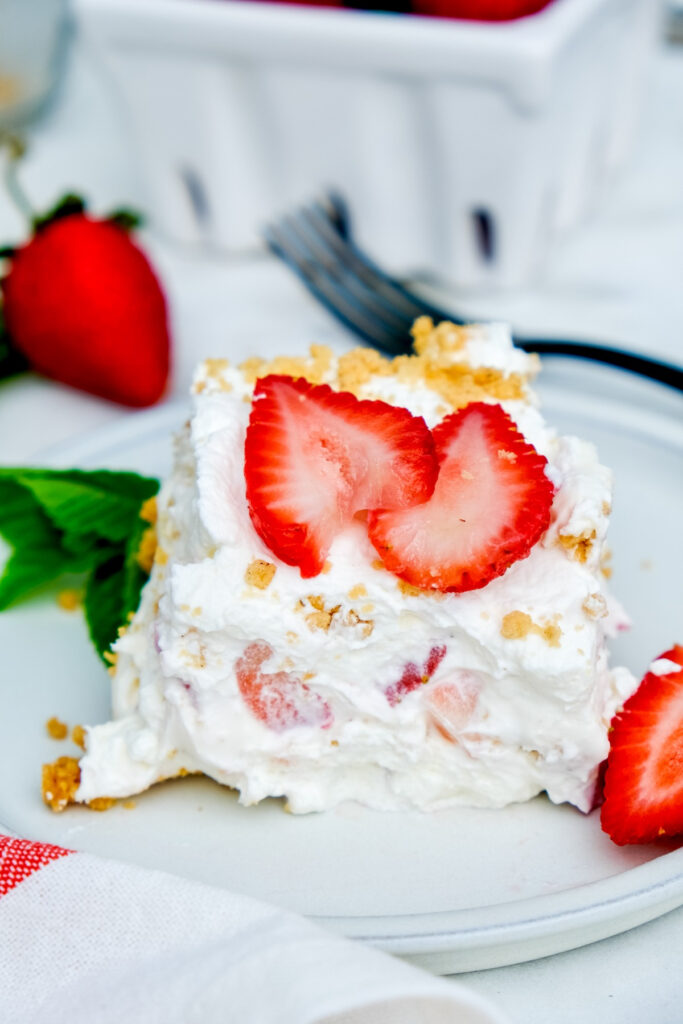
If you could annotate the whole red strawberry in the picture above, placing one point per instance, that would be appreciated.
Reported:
(83, 305)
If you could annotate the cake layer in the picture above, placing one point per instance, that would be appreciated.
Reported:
(378, 691)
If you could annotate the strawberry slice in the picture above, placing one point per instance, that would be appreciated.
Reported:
(279, 699)
(412, 676)
(315, 457)
(644, 777)
(490, 505)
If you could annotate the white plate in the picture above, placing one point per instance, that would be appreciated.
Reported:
(454, 891)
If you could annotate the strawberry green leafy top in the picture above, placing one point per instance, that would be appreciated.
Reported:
(76, 521)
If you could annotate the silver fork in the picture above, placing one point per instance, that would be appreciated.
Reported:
(316, 241)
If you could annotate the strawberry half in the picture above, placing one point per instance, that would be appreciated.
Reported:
(490, 505)
(644, 777)
(315, 457)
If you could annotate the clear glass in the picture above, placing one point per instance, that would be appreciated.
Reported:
(33, 36)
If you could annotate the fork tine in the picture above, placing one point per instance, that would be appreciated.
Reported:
(345, 255)
(288, 246)
(323, 226)
(373, 302)
(332, 218)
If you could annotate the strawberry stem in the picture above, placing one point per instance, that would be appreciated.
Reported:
(15, 147)
(11, 361)
(126, 219)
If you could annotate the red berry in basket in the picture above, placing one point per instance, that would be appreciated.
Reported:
(83, 305)
(490, 505)
(644, 777)
(278, 699)
(315, 457)
(479, 10)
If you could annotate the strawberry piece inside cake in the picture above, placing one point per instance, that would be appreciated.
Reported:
(376, 580)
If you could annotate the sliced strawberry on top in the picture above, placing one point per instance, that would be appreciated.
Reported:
(490, 505)
(315, 457)
(644, 777)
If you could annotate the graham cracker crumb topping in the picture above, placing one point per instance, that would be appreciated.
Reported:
(359, 590)
(147, 550)
(112, 657)
(61, 780)
(595, 606)
(322, 618)
(101, 803)
(259, 573)
(56, 729)
(214, 370)
(69, 600)
(355, 368)
(409, 590)
(78, 736)
(578, 546)
(314, 367)
(160, 556)
(605, 567)
(148, 510)
(440, 340)
(517, 625)
(433, 365)
(354, 619)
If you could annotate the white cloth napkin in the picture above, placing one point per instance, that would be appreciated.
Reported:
(91, 941)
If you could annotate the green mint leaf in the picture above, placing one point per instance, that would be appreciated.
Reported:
(39, 556)
(27, 572)
(104, 602)
(84, 510)
(116, 482)
(73, 520)
(22, 521)
(113, 592)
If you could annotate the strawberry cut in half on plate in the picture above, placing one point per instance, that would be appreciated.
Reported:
(490, 505)
(644, 777)
(315, 457)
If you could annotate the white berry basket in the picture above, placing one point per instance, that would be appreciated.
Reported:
(462, 147)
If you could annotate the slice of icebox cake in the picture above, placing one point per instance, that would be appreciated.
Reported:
(379, 580)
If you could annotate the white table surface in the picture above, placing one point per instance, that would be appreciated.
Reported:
(618, 277)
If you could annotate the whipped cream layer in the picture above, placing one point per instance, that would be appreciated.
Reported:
(514, 692)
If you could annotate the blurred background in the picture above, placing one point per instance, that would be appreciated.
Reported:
(514, 159)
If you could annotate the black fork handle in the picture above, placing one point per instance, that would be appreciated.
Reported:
(655, 369)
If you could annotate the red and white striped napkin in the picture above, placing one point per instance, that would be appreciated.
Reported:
(91, 941)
